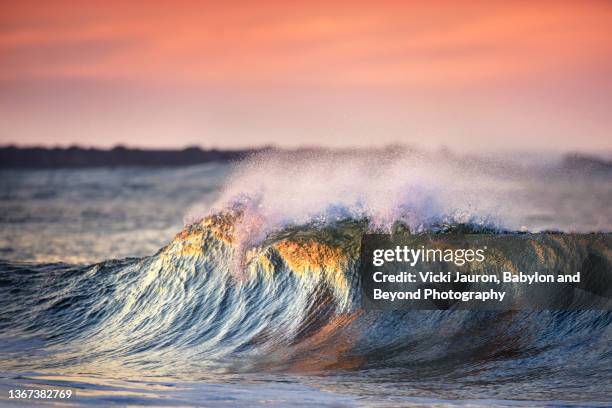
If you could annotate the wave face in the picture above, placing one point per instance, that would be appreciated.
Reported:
(289, 304)
(267, 285)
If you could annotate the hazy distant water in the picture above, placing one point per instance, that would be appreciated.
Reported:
(89, 215)
(176, 329)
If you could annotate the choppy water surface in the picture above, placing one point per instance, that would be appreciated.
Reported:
(256, 301)
(89, 215)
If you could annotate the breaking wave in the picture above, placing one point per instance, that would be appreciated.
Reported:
(267, 282)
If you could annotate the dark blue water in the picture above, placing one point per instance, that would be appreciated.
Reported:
(104, 292)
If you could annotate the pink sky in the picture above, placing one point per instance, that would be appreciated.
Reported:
(468, 75)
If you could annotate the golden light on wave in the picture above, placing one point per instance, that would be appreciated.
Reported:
(191, 241)
(307, 258)
(188, 243)
(222, 226)
(314, 257)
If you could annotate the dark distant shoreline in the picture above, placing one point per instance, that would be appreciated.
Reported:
(79, 157)
(13, 157)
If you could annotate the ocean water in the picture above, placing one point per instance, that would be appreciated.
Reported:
(235, 285)
(90, 215)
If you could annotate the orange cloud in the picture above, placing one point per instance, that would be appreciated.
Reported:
(312, 43)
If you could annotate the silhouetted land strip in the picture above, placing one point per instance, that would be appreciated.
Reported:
(587, 164)
(77, 157)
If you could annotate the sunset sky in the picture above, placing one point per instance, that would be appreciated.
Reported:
(469, 75)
